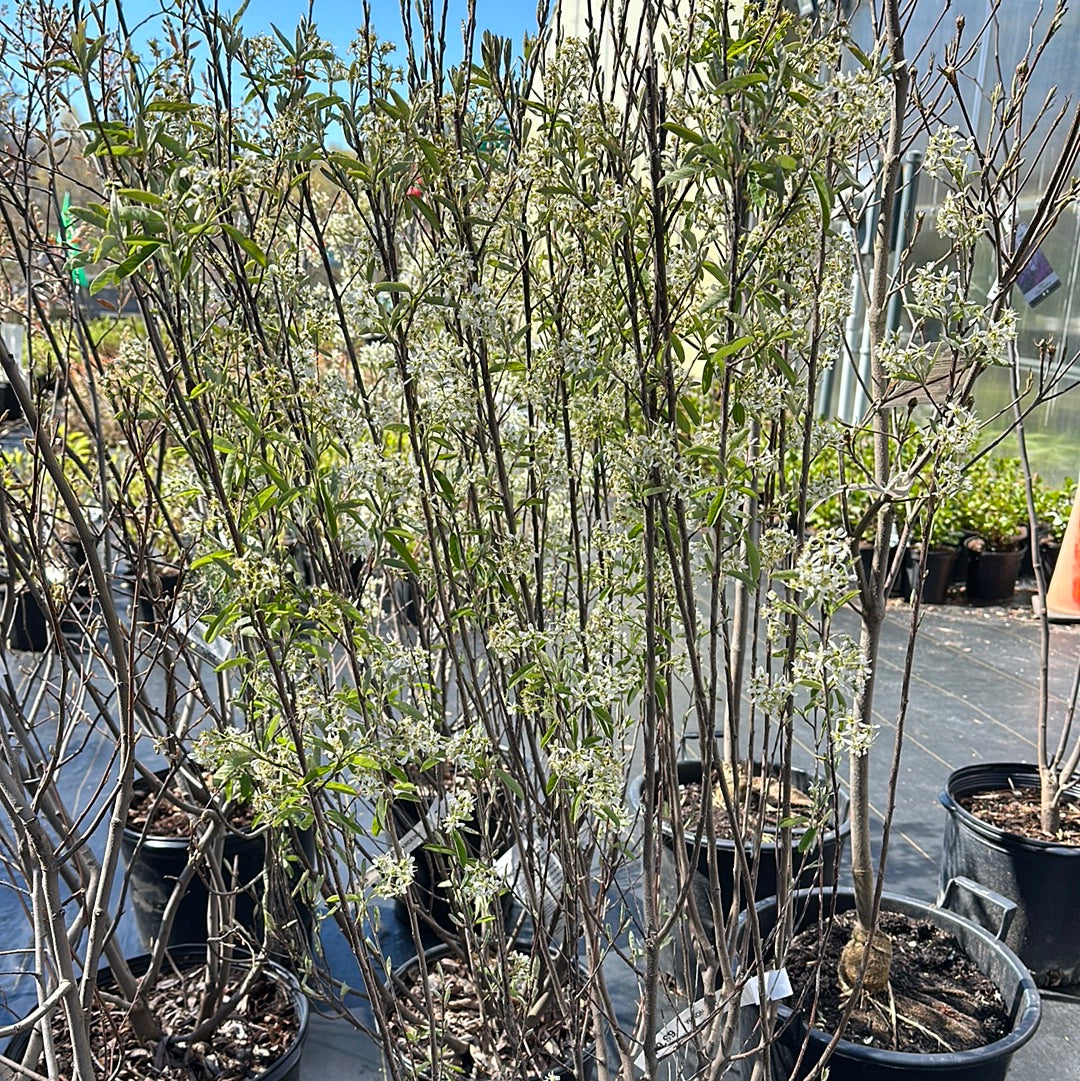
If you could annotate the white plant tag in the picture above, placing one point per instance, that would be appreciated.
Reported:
(674, 1032)
(777, 986)
(423, 829)
(217, 651)
(506, 866)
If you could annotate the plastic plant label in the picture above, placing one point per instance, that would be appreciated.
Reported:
(506, 866)
(509, 865)
(216, 652)
(777, 986)
(669, 1038)
(423, 829)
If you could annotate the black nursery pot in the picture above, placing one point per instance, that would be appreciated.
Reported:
(815, 867)
(10, 409)
(285, 1068)
(157, 590)
(1041, 878)
(155, 862)
(901, 586)
(855, 1061)
(962, 563)
(402, 975)
(27, 625)
(1049, 552)
(487, 831)
(939, 568)
(991, 576)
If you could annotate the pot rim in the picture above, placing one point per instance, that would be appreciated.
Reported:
(145, 839)
(1021, 770)
(277, 972)
(1028, 1012)
(448, 949)
(637, 786)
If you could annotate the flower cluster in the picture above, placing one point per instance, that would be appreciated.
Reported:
(395, 874)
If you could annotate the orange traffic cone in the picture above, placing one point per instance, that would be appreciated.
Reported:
(1063, 593)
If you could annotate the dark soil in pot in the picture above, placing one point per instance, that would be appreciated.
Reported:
(262, 1039)
(853, 1060)
(942, 1001)
(819, 860)
(760, 798)
(472, 1045)
(1040, 875)
(1017, 810)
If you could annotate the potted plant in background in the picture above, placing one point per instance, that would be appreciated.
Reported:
(1052, 509)
(931, 520)
(48, 587)
(43, 803)
(937, 550)
(76, 724)
(991, 513)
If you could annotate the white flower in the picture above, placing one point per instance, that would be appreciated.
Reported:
(480, 886)
(850, 734)
(823, 571)
(947, 154)
(959, 220)
(395, 875)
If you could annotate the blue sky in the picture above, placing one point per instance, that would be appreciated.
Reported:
(338, 20)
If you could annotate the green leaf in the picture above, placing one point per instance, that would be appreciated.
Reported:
(684, 133)
(861, 56)
(221, 558)
(732, 347)
(510, 782)
(102, 281)
(246, 243)
(163, 105)
(825, 196)
(143, 253)
(137, 195)
(145, 214)
(715, 507)
(173, 146)
(399, 544)
(444, 484)
(428, 212)
(684, 172)
(741, 82)
(753, 558)
(93, 214)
